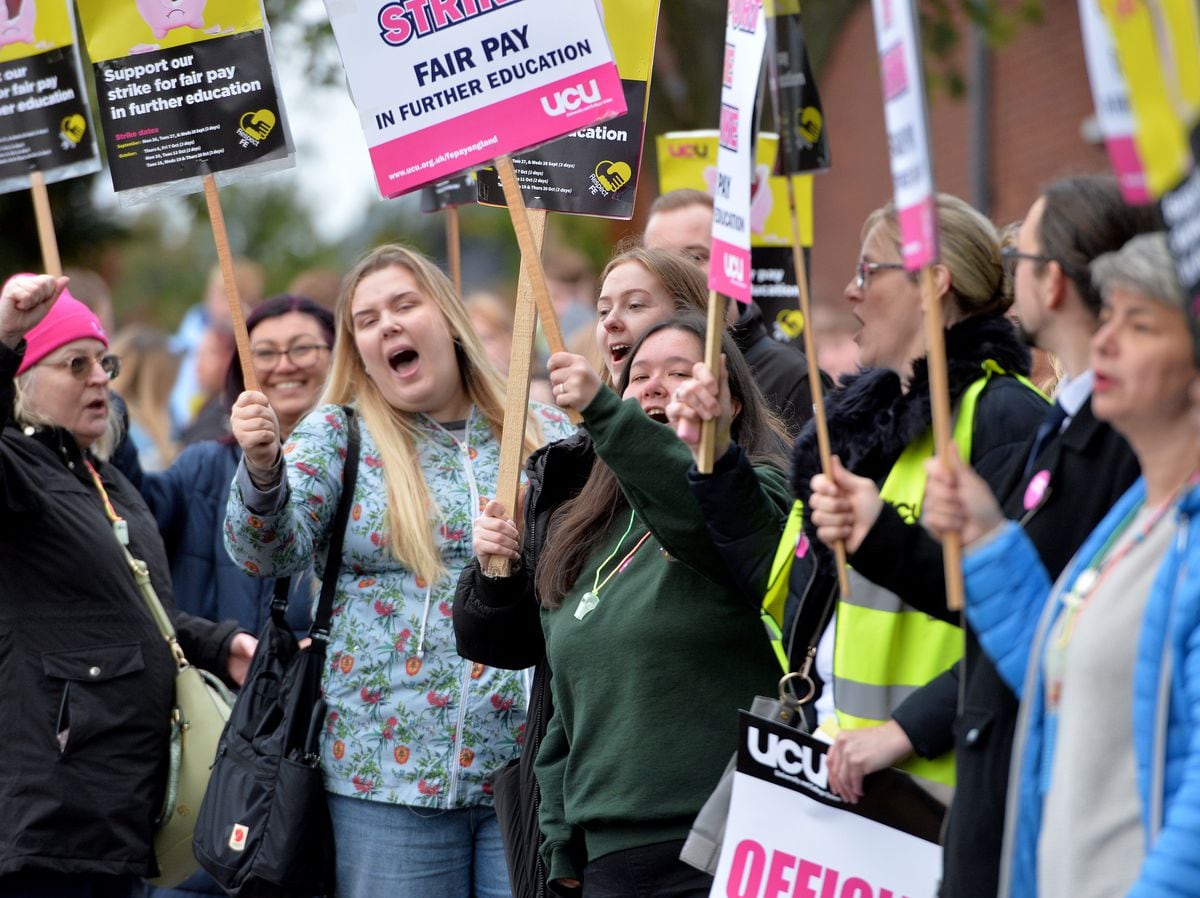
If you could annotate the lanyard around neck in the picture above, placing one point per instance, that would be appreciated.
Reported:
(591, 598)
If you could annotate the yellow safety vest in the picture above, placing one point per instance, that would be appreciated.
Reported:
(884, 650)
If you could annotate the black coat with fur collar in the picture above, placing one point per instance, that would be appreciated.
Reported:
(871, 421)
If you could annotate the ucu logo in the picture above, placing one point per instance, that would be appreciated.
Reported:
(689, 150)
(735, 268)
(788, 756)
(571, 98)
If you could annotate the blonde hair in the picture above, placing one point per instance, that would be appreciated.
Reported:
(26, 414)
(969, 248)
(148, 370)
(410, 502)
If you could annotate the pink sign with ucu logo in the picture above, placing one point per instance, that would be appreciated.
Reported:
(442, 87)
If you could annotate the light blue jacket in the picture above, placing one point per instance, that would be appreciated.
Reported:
(1010, 603)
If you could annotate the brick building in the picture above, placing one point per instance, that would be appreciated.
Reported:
(1036, 108)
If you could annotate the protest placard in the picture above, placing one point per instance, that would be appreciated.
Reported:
(687, 159)
(446, 196)
(906, 118)
(443, 87)
(45, 124)
(1158, 47)
(907, 121)
(185, 88)
(745, 41)
(1111, 98)
(787, 834)
(594, 170)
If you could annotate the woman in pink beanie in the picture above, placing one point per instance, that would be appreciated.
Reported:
(88, 682)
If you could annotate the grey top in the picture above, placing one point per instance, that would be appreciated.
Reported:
(1091, 843)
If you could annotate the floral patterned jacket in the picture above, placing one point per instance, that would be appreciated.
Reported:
(409, 720)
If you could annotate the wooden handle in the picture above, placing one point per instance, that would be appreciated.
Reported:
(225, 257)
(45, 224)
(712, 358)
(531, 258)
(454, 248)
(516, 402)
(939, 394)
(814, 377)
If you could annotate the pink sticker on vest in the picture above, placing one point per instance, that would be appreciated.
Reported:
(802, 546)
(1036, 491)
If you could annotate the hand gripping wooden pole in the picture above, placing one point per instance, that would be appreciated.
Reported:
(814, 376)
(45, 224)
(712, 358)
(939, 394)
(225, 258)
(516, 402)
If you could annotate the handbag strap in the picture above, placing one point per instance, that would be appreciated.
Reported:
(140, 571)
(333, 559)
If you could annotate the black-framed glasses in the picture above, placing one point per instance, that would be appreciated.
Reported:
(301, 356)
(864, 269)
(81, 366)
(1011, 256)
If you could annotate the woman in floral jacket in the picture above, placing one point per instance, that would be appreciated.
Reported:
(413, 730)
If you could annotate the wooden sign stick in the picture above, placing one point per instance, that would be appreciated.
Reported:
(712, 358)
(225, 257)
(45, 224)
(939, 394)
(814, 376)
(516, 400)
(454, 248)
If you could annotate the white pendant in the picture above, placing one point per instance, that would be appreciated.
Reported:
(587, 604)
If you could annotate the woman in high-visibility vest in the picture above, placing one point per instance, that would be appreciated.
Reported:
(879, 422)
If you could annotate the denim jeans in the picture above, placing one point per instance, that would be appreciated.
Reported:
(650, 871)
(406, 852)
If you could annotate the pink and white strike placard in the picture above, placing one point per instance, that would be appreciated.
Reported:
(442, 86)
(907, 124)
(745, 41)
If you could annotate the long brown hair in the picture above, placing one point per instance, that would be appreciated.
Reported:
(411, 506)
(580, 524)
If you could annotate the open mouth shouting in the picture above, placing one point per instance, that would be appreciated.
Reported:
(656, 413)
(404, 360)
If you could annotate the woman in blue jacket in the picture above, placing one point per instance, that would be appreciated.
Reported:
(290, 342)
(1104, 797)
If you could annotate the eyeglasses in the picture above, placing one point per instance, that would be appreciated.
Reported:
(81, 366)
(1011, 256)
(301, 356)
(865, 269)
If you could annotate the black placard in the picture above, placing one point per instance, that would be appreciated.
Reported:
(179, 113)
(44, 119)
(456, 191)
(592, 171)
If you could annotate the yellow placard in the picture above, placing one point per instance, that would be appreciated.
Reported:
(114, 29)
(631, 26)
(1158, 45)
(689, 159)
(37, 26)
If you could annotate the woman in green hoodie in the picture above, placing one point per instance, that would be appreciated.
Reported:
(652, 647)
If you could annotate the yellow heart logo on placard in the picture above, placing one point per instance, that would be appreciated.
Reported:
(73, 128)
(258, 124)
(613, 175)
(810, 124)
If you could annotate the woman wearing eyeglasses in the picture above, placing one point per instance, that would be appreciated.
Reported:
(879, 649)
(87, 683)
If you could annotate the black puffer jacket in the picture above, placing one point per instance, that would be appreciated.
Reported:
(780, 369)
(86, 680)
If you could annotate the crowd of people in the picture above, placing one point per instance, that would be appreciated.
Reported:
(497, 729)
